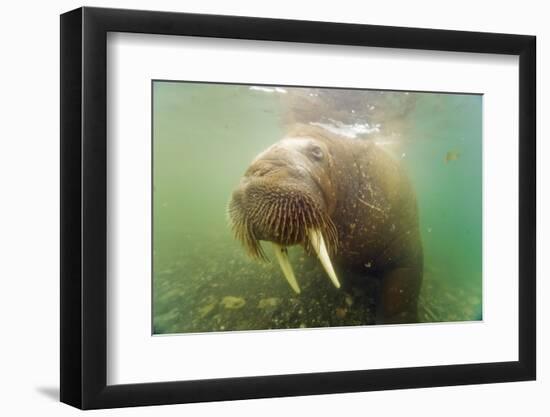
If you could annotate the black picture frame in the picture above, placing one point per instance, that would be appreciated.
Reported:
(84, 207)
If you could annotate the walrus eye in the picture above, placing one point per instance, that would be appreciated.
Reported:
(317, 153)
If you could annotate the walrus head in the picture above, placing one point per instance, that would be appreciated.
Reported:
(286, 197)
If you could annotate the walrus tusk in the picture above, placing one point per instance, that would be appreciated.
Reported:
(318, 243)
(282, 256)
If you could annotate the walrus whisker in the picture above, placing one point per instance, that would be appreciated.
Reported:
(292, 219)
(246, 235)
(331, 234)
(304, 217)
(274, 217)
(258, 210)
(298, 220)
(309, 221)
(261, 216)
(269, 217)
(285, 222)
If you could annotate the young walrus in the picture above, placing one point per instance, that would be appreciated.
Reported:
(344, 199)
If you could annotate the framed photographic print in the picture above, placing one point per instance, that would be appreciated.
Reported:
(258, 207)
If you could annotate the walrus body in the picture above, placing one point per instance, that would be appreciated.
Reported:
(345, 199)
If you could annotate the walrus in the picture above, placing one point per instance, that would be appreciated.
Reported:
(346, 200)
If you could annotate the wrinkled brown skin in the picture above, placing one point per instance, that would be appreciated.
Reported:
(371, 202)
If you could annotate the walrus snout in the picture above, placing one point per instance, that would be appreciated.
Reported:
(276, 209)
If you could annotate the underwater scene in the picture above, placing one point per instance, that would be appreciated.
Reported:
(278, 207)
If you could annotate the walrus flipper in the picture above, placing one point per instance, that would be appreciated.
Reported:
(399, 295)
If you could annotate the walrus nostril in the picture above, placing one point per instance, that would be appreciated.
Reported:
(264, 171)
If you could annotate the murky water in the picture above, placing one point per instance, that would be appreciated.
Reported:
(204, 137)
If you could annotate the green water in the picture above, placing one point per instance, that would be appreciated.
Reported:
(204, 137)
